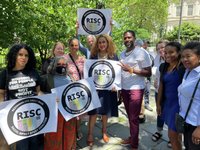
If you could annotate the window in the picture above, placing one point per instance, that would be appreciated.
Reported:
(178, 10)
(190, 10)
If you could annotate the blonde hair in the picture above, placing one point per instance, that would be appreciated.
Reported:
(111, 49)
(54, 47)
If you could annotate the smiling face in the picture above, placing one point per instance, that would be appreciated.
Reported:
(171, 54)
(21, 59)
(129, 40)
(59, 50)
(74, 46)
(161, 49)
(189, 59)
(102, 44)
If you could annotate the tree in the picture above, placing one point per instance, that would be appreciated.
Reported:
(189, 32)
(41, 23)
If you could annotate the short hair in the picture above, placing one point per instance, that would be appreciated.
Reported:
(52, 66)
(111, 46)
(130, 31)
(139, 42)
(54, 47)
(194, 46)
(12, 56)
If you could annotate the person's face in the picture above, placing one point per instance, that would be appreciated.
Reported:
(129, 40)
(102, 44)
(145, 45)
(74, 46)
(61, 62)
(21, 59)
(171, 54)
(90, 41)
(59, 50)
(161, 49)
(189, 59)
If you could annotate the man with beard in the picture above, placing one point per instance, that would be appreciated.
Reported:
(136, 65)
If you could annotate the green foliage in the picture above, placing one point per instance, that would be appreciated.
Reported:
(40, 23)
(189, 32)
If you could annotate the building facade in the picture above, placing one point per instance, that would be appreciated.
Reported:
(190, 13)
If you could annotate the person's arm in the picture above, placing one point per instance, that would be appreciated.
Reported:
(38, 91)
(145, 72)
(159, 98)
(2, 95)
(85, 51)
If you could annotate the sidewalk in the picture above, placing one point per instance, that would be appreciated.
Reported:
(118, 129)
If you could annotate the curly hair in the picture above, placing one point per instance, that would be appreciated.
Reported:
(111, 49)
(12, 56)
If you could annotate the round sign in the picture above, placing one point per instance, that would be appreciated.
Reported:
(93, 22)
(76, 98)
(28, 116)
(103, 74)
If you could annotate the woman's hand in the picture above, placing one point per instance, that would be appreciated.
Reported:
(196, 136)
(114, 89)
(57, 100)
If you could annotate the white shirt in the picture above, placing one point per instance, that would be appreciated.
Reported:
(137, 59)
(185, 91)
(155, 70)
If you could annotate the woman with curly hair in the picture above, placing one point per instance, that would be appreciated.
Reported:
(103, 48)
(21, 64)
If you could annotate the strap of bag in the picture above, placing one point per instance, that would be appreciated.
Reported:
(190, 104)
(75, 65)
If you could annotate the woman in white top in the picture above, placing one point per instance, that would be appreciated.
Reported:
(191, 60)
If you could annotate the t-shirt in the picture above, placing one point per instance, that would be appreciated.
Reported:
(19, 84)
(137, 59)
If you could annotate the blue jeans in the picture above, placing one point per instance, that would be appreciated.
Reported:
(160, 120)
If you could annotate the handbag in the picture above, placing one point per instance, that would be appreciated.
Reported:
(179, 120)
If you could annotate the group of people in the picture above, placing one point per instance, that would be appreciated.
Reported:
(174, 65)
(176, 72)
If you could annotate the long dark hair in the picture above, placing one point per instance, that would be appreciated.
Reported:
(12, 55)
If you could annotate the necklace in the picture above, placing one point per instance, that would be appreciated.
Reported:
(128, 53)
(103, 57)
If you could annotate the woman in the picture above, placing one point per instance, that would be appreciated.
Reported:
(75, 63)
(21, 63)
(191, 60)
(58, 50)
(159, 59)
(64, 138)
(171, 77)
(103, 48)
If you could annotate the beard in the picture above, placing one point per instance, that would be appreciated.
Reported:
(129, 44)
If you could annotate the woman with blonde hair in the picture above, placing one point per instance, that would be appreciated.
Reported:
(57, 50)
(103, 48)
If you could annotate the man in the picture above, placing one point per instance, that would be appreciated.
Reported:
(148, 79)
(136, 65)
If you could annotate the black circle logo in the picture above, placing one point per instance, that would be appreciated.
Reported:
(103, 74)
(24, 120)
(93, 22)
(76, 98)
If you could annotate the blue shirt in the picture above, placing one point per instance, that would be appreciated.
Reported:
(185, 91)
